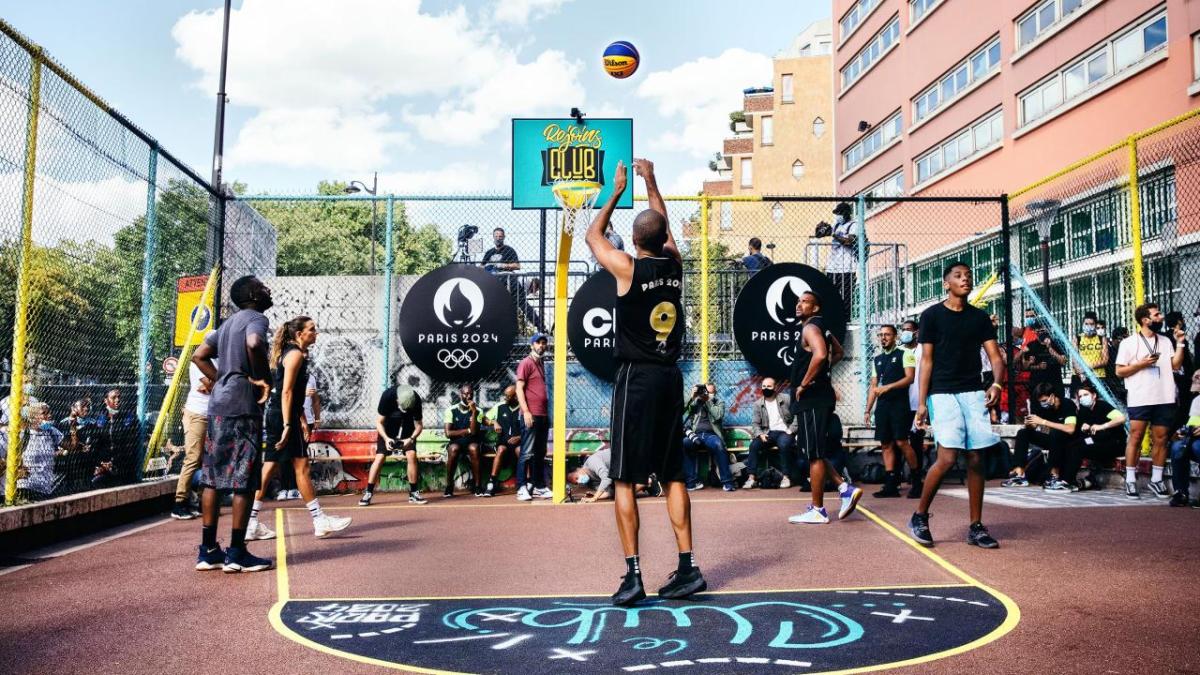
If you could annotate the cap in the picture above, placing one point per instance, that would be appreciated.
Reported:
(843, 209)
(538, 336)
(406, 398)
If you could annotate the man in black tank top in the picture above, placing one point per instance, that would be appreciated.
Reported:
(647, 405)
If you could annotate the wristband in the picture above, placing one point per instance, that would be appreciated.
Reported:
(998, 386)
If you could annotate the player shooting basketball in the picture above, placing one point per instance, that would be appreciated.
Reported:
(647, 409)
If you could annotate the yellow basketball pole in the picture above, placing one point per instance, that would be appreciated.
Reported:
(1135, 227)
(560, 362)
(704, 337)
(16, 393)
(979, 301)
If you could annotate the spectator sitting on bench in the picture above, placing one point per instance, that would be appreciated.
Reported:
(506, 421)
(1101, 437)
(1185, 448)
(462, 422)
(594, 473)
(702, 431)
(772, 426)
(1050, 425)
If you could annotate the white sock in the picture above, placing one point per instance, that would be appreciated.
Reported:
(1130, 474)
(255, 509)
(314, 509)
(1156, 474)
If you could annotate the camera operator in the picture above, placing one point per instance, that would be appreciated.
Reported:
(399, 426)
(702, 431)
(503, 260)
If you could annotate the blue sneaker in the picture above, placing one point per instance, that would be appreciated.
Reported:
(811, 516)
(241, 560)
(210, 559)
(850, 496)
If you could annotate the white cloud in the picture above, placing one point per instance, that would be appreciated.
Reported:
(74, 210)
(699, 95)
(519, 11)
(461, 178)
(690, 182)
(316, 137)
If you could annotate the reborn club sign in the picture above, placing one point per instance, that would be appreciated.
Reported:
(592, 326)
(765, 324)
(457, 323)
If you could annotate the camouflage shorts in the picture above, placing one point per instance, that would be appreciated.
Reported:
(231, 460)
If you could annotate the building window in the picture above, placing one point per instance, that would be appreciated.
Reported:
(726, 216)
(919, 8)
(785, 87)
(981, 135)
(797, 169)
(768, 130)
(892, 186)
(875, 49)
(970, 70)
(747, 172)
(1044, 16)
(853, 18)
(1196, 57)
(1090, 71)
(819, 126)
(871, 144)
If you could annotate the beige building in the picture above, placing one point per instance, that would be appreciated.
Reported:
(782, 144)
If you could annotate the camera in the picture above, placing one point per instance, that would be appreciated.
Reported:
(700, 391)
(396, 445)
(691, 437)
(466, 233)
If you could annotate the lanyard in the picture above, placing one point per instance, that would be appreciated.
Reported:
(1149, 350)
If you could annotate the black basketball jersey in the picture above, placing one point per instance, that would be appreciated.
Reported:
(650, 316)
(819, 392)
(299, 387)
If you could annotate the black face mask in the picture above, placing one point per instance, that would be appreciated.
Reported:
(767, 392)
(1156, 326)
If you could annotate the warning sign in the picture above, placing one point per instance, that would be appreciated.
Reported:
(188, 310)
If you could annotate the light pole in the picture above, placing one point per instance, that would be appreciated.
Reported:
(1044, 211)
(355, 187)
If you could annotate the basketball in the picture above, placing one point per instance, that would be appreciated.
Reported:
(621, 59)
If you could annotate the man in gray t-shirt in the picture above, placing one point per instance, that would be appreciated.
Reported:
(235, 417)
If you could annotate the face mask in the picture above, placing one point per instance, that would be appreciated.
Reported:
(1086, 400)
(112, 411)
(1100, 331)
(1030, 321)
(47, 426)
(584, 479)
(510, 401)
(839, 219)
(1156, 326)
(1045, 404)
(906, 336)
(768, 392)
(1089, 330)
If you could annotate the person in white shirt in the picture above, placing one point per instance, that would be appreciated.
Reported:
(195, 426)
(1146, 361)
(843, 256)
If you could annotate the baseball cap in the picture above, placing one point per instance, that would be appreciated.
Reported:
(538, 336)
(406, 398)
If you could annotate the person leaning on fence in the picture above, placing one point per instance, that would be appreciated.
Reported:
(398, 426)
(505, 420)
(195, 424)
(754, 259)
(773, 427)
(461, 425)
(503, 260)
(1146, 360)
(115, 447)
(37, 479)
(702, 418)
(892, 372)
(1101, 437)
(74, 452)
(1185, 449)
(1094, 350)
(842, 265)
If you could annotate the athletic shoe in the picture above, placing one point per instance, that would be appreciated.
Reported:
(283, 495)
(209, 559)
(630, 592)
(749, 484)
(327, 525)
(293, 494)
(979, 536)
(448, 492)
(523, 494)
(695, 486)
(1085, 484)
(1178, 499)
(241, 560)
(1195, 504)
(850, 496)
(479, 491)
(1015, 482)
(366, 498)
(1131, 490)
(1057, 485)
(181, 512)
(654, 488)
(785, 483)
(194, 509)
(259, 532)
(729, 487)
(1159, 489)
(811, 516)
(414, 497)
(682, 584)
(543, 493)
(918, 529)
(888, 492)
(914, 490)
(490, 491)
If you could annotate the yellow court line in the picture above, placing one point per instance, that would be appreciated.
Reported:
(543, 504)
(283, 588)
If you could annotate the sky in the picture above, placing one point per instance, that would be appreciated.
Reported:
(420, 92)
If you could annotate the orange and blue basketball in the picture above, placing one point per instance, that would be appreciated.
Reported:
(621, 59)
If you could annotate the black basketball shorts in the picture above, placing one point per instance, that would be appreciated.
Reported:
(647, 423)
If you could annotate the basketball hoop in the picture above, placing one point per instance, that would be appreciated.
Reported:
(576, 198)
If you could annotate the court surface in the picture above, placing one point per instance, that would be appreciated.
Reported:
(493, 585)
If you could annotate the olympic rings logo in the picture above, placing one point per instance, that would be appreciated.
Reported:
(457, 358)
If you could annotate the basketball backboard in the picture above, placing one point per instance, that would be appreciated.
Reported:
(550, 150)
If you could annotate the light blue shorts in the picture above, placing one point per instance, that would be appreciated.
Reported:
(961, 421)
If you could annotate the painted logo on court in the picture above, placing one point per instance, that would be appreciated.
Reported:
(457, 323)
(780, 632)
(764, 315)
(592, 325)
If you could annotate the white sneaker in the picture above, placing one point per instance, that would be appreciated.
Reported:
(293, 494)
(811, 516)
(543, 493)
(850, 496)
(283, 495)
(327, 525)
(785, 483)
(749, 484)
(523, 494)
(256, 531)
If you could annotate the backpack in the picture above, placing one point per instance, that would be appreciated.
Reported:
(873, 473)
(770, 479)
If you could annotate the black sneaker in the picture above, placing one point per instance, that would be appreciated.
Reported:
(1178, 499)
(491, 489)
(630, 592)
(241, 560)
(448, 492)
(181, 512)
(979, 536)
(366, 498)
(414, 497)
(1159, 489)
(210, 559)
(888, 492)
(914, 491)
(682, 584)
(918, 528)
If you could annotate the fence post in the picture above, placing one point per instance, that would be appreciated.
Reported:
(20, 330)
(704, 330)
(1006, 275)
(861, 301)
(147, 270)
(388, 263)
(1135, 227)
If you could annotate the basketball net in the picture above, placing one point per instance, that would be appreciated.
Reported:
(576, 198)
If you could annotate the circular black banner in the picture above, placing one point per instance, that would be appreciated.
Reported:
(591, 325)
(764, 316)
(458, 323)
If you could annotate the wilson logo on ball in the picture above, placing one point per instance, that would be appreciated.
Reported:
(621, 59)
